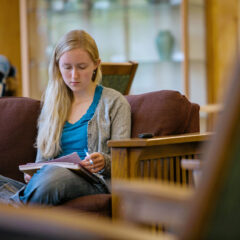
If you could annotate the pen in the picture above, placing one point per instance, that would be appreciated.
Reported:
(87, 154)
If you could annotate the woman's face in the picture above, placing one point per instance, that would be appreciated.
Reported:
(77, 68)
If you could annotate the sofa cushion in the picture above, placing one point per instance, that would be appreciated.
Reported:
(18, 129)
(99, 204)
(163, 113)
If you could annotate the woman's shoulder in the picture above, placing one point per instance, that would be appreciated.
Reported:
(112, 94)
(112, 97)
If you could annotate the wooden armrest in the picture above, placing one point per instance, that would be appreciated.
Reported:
(52, 223)
(153, 201)
(211, 108)
(139, 142)
(153, 189)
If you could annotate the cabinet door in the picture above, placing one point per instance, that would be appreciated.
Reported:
(155, 41)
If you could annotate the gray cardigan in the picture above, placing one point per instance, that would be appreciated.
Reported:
(111, 120)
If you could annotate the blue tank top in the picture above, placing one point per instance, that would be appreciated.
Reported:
(74, 136)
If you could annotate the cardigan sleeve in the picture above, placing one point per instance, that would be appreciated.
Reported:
(120, 128)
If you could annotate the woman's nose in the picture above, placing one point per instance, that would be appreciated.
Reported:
(75, 73)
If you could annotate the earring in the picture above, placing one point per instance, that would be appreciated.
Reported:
(94, 75)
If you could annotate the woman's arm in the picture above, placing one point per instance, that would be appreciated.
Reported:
(120, 129)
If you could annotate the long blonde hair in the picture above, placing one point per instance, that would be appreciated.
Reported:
(57, 98)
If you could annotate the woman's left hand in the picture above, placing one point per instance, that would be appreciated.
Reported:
(94, 162)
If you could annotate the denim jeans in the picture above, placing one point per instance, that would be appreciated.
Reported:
(52, 185)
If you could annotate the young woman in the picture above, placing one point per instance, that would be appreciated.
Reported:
(78, 115)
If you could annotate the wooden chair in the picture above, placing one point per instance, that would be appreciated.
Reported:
(212, 210)
(53, 224)
(118, 76)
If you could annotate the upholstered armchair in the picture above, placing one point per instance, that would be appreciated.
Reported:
(161, 113)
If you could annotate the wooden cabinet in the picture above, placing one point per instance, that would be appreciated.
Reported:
(124, 30)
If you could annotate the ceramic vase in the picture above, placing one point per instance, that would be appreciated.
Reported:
(165, 44)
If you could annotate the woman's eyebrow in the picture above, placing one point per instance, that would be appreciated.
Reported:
(77, 64)
(64, 64)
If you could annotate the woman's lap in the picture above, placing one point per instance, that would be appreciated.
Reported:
(54, 185)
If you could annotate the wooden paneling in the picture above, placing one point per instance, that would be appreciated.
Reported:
(37, 37)
(185, 46)
(10, 36)
(222, 45)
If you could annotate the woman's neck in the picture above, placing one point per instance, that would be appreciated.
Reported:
(84, 96)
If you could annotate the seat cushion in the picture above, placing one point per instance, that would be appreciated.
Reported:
(18, 130)
(99, 204)
(163, 113)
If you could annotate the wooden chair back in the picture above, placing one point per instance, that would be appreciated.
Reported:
(118, 76)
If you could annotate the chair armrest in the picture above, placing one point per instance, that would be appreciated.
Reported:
(52, 223)
(153, 202)
(139, 142)
(130, 155)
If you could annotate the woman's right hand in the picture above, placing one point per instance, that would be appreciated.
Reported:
(27, 177)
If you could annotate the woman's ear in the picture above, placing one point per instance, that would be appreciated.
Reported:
(98, 62)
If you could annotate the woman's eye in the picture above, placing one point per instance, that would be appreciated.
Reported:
(81, 66)
(67, 67)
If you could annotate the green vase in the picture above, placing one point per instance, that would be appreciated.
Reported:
(165, 44)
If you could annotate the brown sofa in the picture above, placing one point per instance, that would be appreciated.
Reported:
(161, 113)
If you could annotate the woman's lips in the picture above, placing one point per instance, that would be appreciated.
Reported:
(74, 83)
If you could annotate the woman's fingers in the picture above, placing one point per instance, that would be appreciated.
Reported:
(94, 162)
(27, 177)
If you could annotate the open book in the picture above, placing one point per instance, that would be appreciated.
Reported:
(71, 161)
